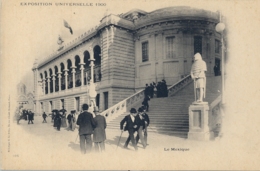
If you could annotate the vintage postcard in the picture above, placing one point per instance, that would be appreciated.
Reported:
(129, 85)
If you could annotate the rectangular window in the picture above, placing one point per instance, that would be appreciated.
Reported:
(170, 49)
(217, 46)
(77, 103)
(197, 44)
(145, 55)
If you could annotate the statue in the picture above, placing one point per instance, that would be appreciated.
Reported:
(198, 74)
(92, 93)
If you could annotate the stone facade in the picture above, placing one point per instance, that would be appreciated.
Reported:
(130, 50)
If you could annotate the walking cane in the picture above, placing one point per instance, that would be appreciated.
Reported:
(119, 139)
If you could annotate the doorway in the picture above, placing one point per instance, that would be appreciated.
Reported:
(97, 100)
(217, 66)
(105, 100)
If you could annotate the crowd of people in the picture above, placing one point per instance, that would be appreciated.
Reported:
(26, 115)
(94, 123)
(88, 123)
(156, 90)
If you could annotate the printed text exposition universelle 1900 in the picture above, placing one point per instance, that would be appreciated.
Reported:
(60, 4)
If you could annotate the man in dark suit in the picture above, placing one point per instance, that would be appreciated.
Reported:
(131, 127)
(146, 124)
(99, 135)
(86, 125)
(57, 119)
(140, 124)
(44, 117)
(30, 117)
(145, 102)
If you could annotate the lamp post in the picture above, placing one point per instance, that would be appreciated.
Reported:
(220, 27)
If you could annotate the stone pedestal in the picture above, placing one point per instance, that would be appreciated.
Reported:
(198, 122)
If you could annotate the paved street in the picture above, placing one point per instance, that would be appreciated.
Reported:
(41, 146)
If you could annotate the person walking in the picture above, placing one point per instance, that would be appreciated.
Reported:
(131, 127)
(146, 124)
(145, 103)
(57, 119)
(69, 117)
(140, 126)
(63, 118)
(44, 117)
(86, 125)
(30, 117)
(99, 135)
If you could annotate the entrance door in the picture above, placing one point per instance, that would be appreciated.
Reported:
(217, 63)
(105, 100)
(97, 100)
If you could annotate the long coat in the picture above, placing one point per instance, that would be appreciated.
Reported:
(99, 132)
(86, 123)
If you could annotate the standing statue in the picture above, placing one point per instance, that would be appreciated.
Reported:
(198, 74)
(92, 93)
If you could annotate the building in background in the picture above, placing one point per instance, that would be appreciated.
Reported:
(25, 100)
(130, 50)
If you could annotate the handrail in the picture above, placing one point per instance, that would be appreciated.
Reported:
(122, 105)
(180, 84)
(215, 115)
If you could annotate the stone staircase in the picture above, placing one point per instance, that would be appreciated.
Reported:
(169, 115)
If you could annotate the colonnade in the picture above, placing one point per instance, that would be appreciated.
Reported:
(72, 72)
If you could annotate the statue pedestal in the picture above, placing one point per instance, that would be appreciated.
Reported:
(198, 122)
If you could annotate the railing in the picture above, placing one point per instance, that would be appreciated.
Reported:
(123, 105)
(215, 116)
(179, 85)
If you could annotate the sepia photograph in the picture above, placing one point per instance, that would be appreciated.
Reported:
(129, 85)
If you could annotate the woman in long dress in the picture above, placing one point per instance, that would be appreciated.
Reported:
(73, 121)
(63, 119)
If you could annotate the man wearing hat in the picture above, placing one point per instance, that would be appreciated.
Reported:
(141, 125)
(131, 127)
(99, 135)
(86, 125)
(58, 118)
(70, 118)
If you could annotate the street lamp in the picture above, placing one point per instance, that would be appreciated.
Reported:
(220, 27)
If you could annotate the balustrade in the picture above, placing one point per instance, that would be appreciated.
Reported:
(179, 85)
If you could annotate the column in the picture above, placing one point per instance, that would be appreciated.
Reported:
(48, 82)
(66, 78)
(82, 73)
(53, 82)
(59, 76)
(73, 76)
(43, 84)
(91, 63)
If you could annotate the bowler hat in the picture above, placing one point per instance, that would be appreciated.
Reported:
(133, 110)
(140, 109)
